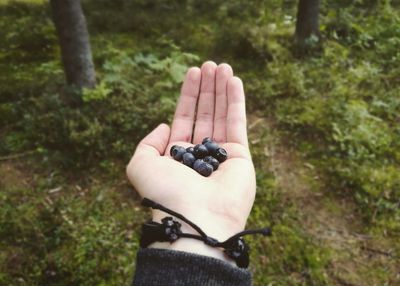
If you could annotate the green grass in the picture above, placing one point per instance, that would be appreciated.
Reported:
(38, 2)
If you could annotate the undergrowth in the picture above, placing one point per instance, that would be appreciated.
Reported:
(338, 106)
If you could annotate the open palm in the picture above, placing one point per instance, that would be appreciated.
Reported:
(211, 104)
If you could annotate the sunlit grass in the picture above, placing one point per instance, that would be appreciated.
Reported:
(4, 2)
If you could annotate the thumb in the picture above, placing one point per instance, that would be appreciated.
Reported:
(155, 142)
(153, 145)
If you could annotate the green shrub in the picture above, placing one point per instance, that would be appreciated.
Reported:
(341, 106)
(135, 93)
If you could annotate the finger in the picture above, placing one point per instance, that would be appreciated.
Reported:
(205, 109)
(223, 74)
(182, 124)
(155, 143)
(236, 130)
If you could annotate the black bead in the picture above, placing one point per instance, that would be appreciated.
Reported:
(221, 155)
(200, 151)
(172, 229)
(239, 251)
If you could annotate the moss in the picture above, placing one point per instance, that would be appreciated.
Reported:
(323, 131)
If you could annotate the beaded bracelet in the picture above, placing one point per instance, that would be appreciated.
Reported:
(170, 230)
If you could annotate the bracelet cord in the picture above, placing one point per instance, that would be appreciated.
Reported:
(170, 230)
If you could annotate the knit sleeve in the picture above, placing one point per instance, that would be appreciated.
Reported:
(173, 268)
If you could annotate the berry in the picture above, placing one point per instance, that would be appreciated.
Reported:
(221, 155)
(204, 169)
(200, 151)
(203, 158)
(211, 147)
(212, 161)
(206, 140)
(197, 163)
(177, 152)
(173, 150)
(188, 159)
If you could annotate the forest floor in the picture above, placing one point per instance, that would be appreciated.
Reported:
(331, 222)
(65, 224)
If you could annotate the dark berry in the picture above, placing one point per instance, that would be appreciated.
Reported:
(207, 159)
(205, 140)
(211, 147)
(173, 150)
(190, 150)
(204, 169)
(197, 163)
(200, 151)
(221, 155)
(212, 161)
(178, 152)
(188, 159)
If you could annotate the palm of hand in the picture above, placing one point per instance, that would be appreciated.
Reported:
(221, 203)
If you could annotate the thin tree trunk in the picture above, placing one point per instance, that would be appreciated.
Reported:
(307, 23)
(73, 36)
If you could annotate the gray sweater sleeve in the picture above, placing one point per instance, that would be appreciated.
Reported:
(173, 268)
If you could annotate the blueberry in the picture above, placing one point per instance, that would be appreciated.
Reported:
(200, 151)
(211, 147)
(208, 159)
(190, 150)
(197, 163)
(178, 152)
(204, 169)
(173, 150)
(188, 159)
(221, 155)
(212, 161)
(206, 140)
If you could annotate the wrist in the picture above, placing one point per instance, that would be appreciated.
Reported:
(213, 225)
(192, 245)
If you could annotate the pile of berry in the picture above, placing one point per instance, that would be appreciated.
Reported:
(203, 158)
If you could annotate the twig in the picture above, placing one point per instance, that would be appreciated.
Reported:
(14, 156)
(343, 282)
(378, 251)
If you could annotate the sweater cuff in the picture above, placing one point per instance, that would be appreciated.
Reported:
(171, 267)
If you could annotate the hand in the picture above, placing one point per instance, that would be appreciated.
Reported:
(212, 100)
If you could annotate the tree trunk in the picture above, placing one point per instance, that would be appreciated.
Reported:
(307, 24)
(73, 36)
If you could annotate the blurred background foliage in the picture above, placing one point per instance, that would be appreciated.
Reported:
(324, 130)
